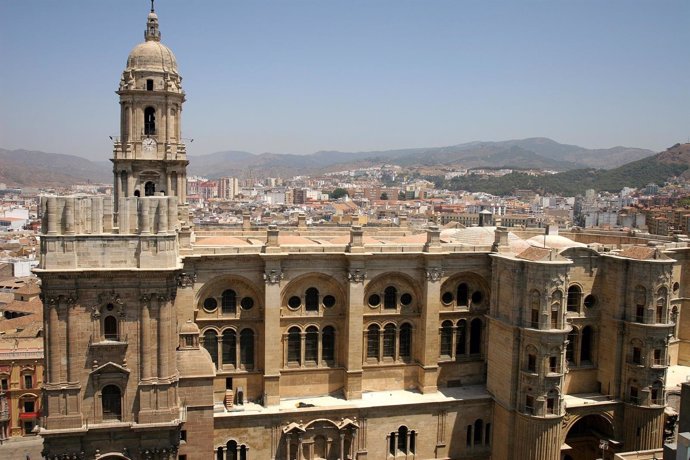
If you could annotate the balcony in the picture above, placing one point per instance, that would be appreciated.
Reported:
(109, 341)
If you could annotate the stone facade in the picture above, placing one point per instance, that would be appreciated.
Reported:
(308, 343)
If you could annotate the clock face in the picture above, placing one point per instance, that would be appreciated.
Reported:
(148, 144)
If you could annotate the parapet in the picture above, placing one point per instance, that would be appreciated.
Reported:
(94, 215)
(84, 232)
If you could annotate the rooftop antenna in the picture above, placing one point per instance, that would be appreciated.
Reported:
(152, 7)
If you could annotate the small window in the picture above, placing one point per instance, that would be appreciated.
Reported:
(149, 85)
(590, 301)
(210, 304)
(532, 363)
(183, 435)
(406, 299)
(110, 328)
(463, 295)
(676, 287)
(637, 355)
(374, 300)
(229, 302)
(553, 364)
(28, 381)
(247, 303)
(529, 404)
(29, 405)
(657, 357)
(390, 298)
(477, 297)
(149, 121)
(4, 384)
(294, 302)
(328, 301)
(311, 299)
(447, 298)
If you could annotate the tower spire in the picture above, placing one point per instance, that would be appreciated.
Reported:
(152, 32)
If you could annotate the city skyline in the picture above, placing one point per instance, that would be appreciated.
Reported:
(300, 77)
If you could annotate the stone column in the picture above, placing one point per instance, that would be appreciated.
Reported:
(272, 332)
(353, 336)
(428, 351)
(53, 341)
(69, 216)
(145, 360)
(163, 337)
(168, 178)
(51, 208)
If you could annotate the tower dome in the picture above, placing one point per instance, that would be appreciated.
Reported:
(152, 55)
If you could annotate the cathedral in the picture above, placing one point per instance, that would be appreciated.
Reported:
(299, 343)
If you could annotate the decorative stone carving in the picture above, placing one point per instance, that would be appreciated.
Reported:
(434, 274)
(185, 279)
(357, 275)
(273, 276)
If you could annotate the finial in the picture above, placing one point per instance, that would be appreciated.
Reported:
(152, 10)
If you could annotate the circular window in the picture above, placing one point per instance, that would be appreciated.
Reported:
(590, 301)
(210, 304)
(374, 300)
(477, 297)
(109, 307)
(447, 298)
(247, 303)
(294, 302)
(406, 299)
(328, 301)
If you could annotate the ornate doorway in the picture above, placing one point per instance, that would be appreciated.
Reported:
(588, 438)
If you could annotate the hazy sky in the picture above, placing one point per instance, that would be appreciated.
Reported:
(297, 76)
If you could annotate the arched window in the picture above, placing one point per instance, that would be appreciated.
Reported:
(111, 398)
(210, 342)
(390, 297)
(320, 447)
(535, 304)
(478, 431)
(402, 439)
(294, 346)
(110, 328)
(661, 298)
(247, 348)
(231, 450)
(446, 338)
(640, 303)
(311, 299)
(476, 336)
(228, 302)
(328, 344)
(311, 345)
(463, 295)
(149, 189)
(572, 346)
(149, 121)
(389, 341)
(586, 345)
(229, 347)
(552, 402)
(460, 337)
(405, 350)
(373, 333)
(657, 393)
(574, 295)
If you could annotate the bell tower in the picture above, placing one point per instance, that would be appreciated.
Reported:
(149, 157)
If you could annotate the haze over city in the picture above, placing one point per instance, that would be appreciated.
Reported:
(297, 77)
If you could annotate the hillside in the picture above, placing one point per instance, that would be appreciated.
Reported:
(34, 168)
(656, 169)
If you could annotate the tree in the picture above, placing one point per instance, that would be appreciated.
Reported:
(384, 196)
(401, 195)
(338, 193)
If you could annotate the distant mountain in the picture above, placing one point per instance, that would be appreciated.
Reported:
(673, 162)
(33, 168)
(538, 152)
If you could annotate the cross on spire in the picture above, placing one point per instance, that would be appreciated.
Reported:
(152, 10)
